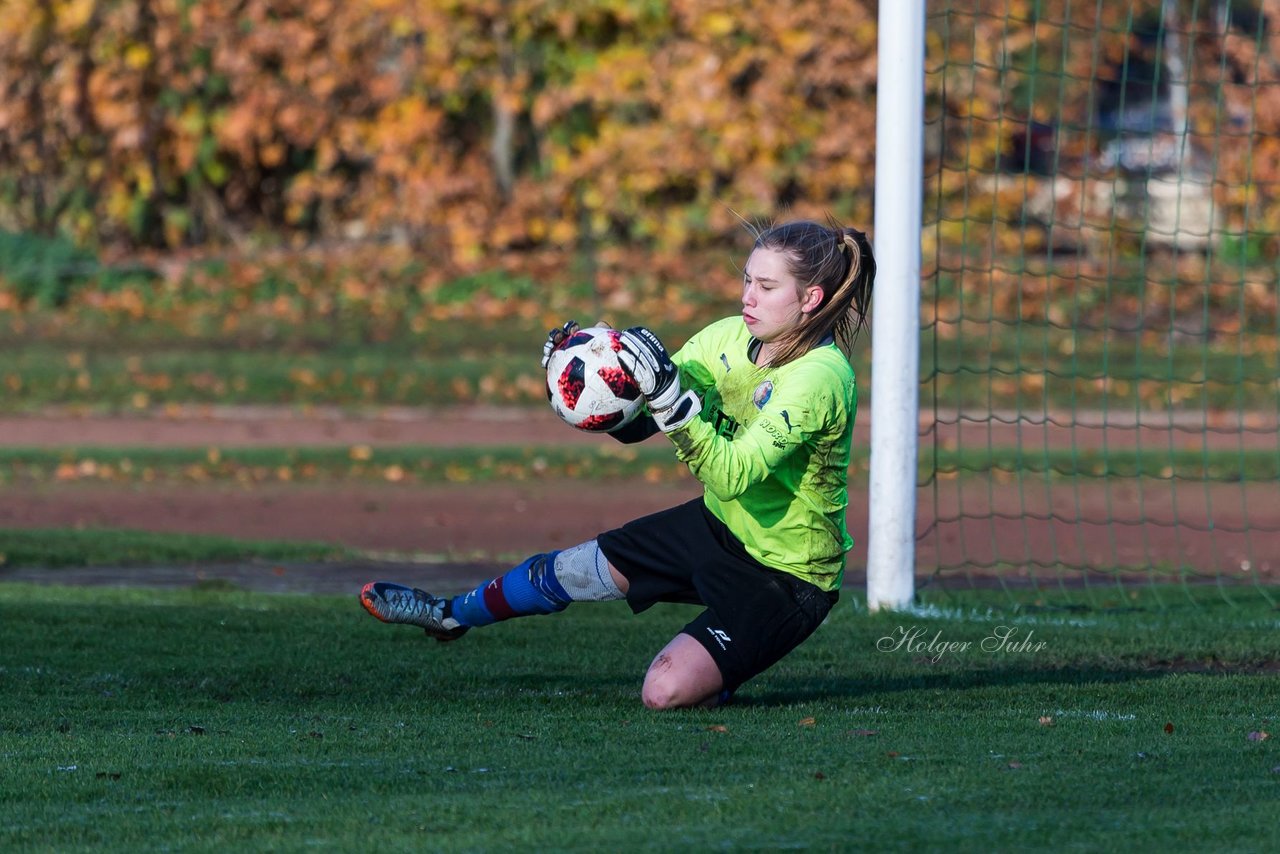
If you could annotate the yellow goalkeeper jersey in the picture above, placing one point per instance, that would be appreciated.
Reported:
(771, 447)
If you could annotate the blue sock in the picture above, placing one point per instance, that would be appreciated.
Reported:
(530, 588)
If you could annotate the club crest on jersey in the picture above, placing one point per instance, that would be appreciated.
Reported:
(761, 395)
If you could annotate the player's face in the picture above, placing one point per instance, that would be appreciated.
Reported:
(773, 302)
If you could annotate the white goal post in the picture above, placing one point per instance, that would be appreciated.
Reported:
(895, 322)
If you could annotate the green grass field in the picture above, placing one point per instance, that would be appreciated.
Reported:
(1141, 718)
(207, 720)
(499, 366)
(59, 547)
(653, 462)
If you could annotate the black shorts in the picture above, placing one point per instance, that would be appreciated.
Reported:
(755, 615)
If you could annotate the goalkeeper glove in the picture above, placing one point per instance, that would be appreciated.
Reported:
(644, 357)
(555, 338)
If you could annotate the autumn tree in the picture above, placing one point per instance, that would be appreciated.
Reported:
(475, 127)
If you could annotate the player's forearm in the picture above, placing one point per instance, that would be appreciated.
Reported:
(727, 469)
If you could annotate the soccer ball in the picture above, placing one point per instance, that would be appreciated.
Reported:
(587, 385)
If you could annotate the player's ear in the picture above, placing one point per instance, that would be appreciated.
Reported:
(811, 298)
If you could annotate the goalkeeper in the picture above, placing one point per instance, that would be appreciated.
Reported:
(760, 406)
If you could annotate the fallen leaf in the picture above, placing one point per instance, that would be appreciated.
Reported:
(864, 732)
(1168, 729)
(1046, 720)
(1015, 765)
(1258, 735)
(892, 754)
(808, 722)
(717, 728)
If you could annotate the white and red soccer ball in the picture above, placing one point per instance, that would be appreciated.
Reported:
(587, 385)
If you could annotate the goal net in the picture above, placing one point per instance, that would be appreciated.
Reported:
(1099, 326)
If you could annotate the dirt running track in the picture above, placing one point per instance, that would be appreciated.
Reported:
(449, 535)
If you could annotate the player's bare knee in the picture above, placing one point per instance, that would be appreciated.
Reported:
(665, 689)
(660, 689)
(652, 702)
(659, 695)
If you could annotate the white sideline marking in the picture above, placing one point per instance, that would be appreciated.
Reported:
(1099, 715)
(971, 615)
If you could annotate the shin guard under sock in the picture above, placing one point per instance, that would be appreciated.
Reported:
(530, 588)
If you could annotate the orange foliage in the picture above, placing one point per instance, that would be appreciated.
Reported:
(468, 126)
(1050, 62)
(477, 127)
